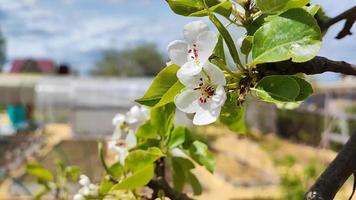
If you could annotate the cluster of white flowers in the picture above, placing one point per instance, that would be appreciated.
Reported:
(204, 92)
(88, 189)
(124, 137)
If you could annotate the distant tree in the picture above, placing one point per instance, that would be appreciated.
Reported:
(2, 50)
(142, 60)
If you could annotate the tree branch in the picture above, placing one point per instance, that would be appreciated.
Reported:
(159, 183)
(348, 15)
(317, 65)
(330, 182)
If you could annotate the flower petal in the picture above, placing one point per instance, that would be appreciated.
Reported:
(193, 29)
(190, 69)
(117, 134)
(206, 43)
(131, 140)
(84, 180)
(118, 119)
(188, 80)
(187, 101)
(178, 52)
(206, 116)
(216, 74)
(219, 97)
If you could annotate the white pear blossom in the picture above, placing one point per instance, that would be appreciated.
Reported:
(88, 189)
(204, 95)
(121, 146)
(192, 53)
(137, 114)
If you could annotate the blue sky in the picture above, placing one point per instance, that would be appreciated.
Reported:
(75, 31)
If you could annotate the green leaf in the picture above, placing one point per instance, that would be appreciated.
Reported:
(194, 182)
(38, 171)
(146, 131)
(116, 170)
(181, 167)
(294, 35)
(256, 24)
(201, 154)
(105, 186)
(185, 7)
(139, 159)
(177, 137)
(277, 88)
(169, 96)
(277, 6)
(219, 49)
(312, 9)
(305, 88)
(232, 115)
(178, 175)
(223, 8)
(164, 80)
(196, 8)
(138, 179)
(247, 45)
(227, 38)
(162, 119)
(72, 173)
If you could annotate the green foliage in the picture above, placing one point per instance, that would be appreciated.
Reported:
(53, 181)
(171, 93)
(141, 60)
(177, 137)
(137, 179)
(196, 8)
(162, 119)
(305, 88)
(281, 88)
(277, 88)
(201, 154)
(247, 45)
(294, 35)
(38, 171)
(181, 174)
(233, 116)
(227, 38)
(277, 6)
(147, 131)
(161, 85)
(139, 159)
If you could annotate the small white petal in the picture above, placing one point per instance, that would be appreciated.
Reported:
(188, 80)
(187, 101)
(193, 29)
(206, 116)
(131, 140)
(190, 68)
(178, 51)
(176, 152)
(216, 75)
(219, 97)
(137, 115)
(85, 191)
(206, 43)
(117, 134)
(78, 197)
(118, 119)
(122, 155)
(84, 180)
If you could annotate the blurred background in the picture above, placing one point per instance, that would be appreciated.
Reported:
(68, 66)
